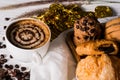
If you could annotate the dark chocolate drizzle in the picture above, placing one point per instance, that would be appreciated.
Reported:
(27, 36)
(107, 48)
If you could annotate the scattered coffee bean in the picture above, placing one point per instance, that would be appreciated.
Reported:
(19, 76)
(27, 75)
(5, 27)
(23, 68)
(2, 56)
(2, 62)
(12, 72)
(0, 45)
(1, 65)
(16, 66)
(6, 66)
(11, 56)
(4, 46)
(3, 38)
(10, 66)
(17, 71)
(5, 60)
(7, 18)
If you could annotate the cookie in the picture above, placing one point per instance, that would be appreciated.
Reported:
(85, 29)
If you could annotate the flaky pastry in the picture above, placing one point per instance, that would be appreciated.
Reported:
(97, 47)
(98, 68)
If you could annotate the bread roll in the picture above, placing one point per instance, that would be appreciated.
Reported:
(97, 47)
(98, 68)
(112, 29)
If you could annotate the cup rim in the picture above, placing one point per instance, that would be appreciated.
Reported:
(21, 19)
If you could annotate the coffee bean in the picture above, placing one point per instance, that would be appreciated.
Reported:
(11, 73)
(27, 75)
(11, 66)
(1, 44)
(5, 27)
(3, 38)
(19, 75)
(23, 68)
(1, 65)
(6, 66)
(4, 46)
(2, 56)
(16, 66)
(7, 18)
(2, 62)
(17, 71)
(5, 60)
(11, 56)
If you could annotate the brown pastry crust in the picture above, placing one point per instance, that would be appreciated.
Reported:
(97, 47)
(98, 68)
(86, 29)
(112, 29)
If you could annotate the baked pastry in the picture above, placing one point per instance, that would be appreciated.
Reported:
(116, 65)
(97, 47)
(112, 29)
(98, 68)
(86, 29)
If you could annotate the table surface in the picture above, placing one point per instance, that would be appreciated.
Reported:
(63, 63)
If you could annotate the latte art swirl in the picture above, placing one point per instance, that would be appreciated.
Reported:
(28, 34)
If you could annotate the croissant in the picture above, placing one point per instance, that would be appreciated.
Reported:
(101, 67)
(97, 47)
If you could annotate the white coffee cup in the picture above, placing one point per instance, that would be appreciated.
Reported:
(23, 54)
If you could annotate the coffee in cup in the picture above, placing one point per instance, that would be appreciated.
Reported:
(27, 36)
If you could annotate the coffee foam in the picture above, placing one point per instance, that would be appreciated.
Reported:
(28, 34)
